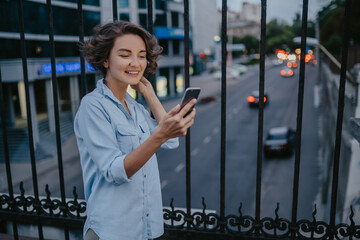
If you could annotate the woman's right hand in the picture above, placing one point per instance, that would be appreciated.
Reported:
(174, 124)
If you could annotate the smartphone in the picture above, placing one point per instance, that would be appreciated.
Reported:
(190, 93)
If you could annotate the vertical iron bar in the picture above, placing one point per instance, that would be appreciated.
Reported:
(187, 84)
(56, 112)
(261, 117)
(299, 119)
(81, 40)
(344, 52)
(6, 154)
(150, 22)
(223, 112)
(115, 10)
(29, 117)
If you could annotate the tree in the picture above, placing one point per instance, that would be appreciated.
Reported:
(331, 19)
(251, 43)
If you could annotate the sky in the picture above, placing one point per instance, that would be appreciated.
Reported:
(281, 9)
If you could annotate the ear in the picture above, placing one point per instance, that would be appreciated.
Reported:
(106, 64)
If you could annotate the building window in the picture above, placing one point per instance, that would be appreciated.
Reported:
(160, 20)
(160, 4)
(124, 17)
(176, 47)
(9, 17)
(91, 19)
(165, 45)
(143, 20)
(142, 4)
(175, 19)
(88, 2)
(123, 3)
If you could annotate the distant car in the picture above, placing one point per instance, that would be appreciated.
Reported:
(292, 64)
(287, 72)
(279, 141)
(253, 99)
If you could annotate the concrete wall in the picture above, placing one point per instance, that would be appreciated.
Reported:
(349, 153)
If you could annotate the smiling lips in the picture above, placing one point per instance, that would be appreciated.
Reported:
(132, 72)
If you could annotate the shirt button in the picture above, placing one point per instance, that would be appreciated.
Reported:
(147, 214)
(144, 175)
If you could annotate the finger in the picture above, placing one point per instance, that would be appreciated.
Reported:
(190, 116)
(144, 80)
(187, 107)
(174, 110)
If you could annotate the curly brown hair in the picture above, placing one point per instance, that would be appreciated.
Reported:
(96, 49)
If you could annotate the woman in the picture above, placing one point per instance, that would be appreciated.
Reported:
(117, 138)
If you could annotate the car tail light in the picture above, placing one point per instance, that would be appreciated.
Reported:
(251, 99)
(291, 72)
(282, 72)
(264, 99)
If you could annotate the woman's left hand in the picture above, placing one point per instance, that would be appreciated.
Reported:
(143, 87)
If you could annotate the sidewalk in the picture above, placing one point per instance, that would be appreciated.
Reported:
(21, 171)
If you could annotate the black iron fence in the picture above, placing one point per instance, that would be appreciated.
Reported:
(71, 213)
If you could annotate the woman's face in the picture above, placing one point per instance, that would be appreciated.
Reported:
(127, 60)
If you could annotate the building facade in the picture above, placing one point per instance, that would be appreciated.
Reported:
(246, 22)
(168, 27)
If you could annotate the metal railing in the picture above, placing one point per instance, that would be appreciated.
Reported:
(70, 213)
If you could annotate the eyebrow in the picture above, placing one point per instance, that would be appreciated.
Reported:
(127, 50)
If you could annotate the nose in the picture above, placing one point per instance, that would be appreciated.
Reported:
(134, 62)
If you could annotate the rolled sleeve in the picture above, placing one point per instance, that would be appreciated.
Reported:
(94, 127)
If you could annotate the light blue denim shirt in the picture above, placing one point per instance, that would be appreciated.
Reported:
(118, 207)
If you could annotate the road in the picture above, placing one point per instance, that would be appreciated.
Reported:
(241, 150)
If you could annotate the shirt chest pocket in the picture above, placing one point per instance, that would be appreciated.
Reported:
(145, 131)
(126, 138)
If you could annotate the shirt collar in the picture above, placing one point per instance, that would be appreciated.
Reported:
(108, 93)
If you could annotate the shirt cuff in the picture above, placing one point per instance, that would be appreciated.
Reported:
(171, 143)
(118, 172)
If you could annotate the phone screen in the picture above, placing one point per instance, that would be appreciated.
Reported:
(189, 94)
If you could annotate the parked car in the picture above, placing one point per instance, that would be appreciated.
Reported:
(287, 72)
(279, 141)
(253, 99)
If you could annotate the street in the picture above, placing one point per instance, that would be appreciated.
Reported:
(241, 150)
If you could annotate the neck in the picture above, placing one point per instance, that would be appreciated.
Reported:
(118, 89)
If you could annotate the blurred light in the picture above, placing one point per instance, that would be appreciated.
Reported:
(310, 51)
(282, 72)
(207, 51)
(291, 72)
(292, 57)
(295, 64)
(179, 83)
(298, 51)
(161, 86)
(217, 38)
(288, 64)
(264, 99)
(251, 99)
